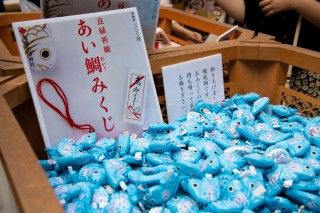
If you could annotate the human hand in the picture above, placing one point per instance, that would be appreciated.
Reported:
(162, 36)
(271, 7)
(194, 37)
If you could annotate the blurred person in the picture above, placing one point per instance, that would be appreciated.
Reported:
(279, 18)
(206, 8)
(1, 6)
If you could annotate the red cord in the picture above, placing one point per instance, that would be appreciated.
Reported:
(64, 99)
(136, 114)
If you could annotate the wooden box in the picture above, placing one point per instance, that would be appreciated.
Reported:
(253, 65)
(204, 24)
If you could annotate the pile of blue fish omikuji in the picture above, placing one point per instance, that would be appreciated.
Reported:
(240, 155)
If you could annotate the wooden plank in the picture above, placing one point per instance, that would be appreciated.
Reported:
(179, 40)
(5, 54)
(30, 126)
(315, 102)
(185, 53)
(9, 65)
(9, 17)
(3, 50)
(300, 57)
(4, 79)
(196, 21)
(16, 91)
(6, 34)
(7, 201)
(262, 77)
(203, 23)
(28, 181)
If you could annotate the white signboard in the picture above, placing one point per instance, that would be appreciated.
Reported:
(148, 11)
(88, 73)
(188, 82)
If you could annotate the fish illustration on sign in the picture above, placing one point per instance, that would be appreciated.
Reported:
(38, 45)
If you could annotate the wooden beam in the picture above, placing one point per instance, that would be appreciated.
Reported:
(27, 180)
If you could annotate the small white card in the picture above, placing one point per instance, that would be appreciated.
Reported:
(134, 108)
(82, 72)
(188, 82)
(148, 11)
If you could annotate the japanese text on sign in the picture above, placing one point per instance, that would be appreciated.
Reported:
(95, 65)
(189, 82)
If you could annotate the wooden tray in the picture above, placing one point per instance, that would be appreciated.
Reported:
(255, 65)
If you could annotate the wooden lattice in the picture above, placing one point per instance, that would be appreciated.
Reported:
(229, 89)
(226, 66)
(306, 105)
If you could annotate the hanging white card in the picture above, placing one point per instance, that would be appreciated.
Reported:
(136, 89)
(148, 11)
(77, 69)
(191, 81)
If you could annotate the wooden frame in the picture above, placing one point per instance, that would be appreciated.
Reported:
(6, 33)
(10, 66)
(167, 15)
(255, 65)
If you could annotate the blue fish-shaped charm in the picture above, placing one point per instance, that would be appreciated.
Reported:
(159, 194)
(188, 168)
(120, 200)
(182, 204)
(283, 111)
(87, 141)
(100, 198)
(123, 143)
(116, 171)
(280, 204)
(312, 132)
(205, 190)
(310, 200)
(313, 152)
(158, 159)
(259, 105)
(191, 155)
(139, 145)
(138, 178)
(94, 173)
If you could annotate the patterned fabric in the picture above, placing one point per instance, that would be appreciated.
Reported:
(306, 82)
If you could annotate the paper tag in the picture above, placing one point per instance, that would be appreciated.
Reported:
(208, 175)
(191, 81)
(287, 183)
(123, 185)
(138, 156)
(134, 108)
(259, 191)
(252, 170)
